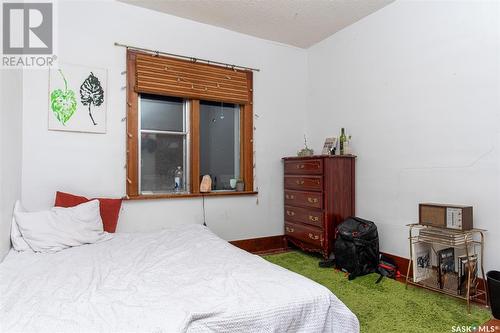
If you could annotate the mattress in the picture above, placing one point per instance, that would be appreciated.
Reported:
(184, 279)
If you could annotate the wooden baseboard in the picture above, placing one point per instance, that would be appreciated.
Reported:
(491, 326)
(262, 245)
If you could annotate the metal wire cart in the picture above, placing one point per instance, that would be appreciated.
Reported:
(447, 261)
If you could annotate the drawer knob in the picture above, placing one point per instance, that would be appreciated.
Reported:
(312, 200)
(290, 196)
(288, 229)
(290, 213)
(313, 237)
(313, 218)
(300, 166)
(299, 182)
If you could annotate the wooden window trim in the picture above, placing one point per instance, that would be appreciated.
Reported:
(194, 154)
(190, 195)
(132, 129)
(246, 143)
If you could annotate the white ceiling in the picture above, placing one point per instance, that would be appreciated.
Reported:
(300, 23)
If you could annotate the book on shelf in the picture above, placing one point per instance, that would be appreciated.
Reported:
(463, 271)
(422, 266)
(446, 267)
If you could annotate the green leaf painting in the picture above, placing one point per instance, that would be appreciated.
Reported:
(63, 102)
(91, 93)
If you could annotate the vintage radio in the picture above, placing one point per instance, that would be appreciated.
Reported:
(445, 216)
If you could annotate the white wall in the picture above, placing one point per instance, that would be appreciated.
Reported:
(93, 165)
(11, 113)
(417, 84)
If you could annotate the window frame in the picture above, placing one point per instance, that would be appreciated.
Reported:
(193, 142)
(237, 144)
(185, 138)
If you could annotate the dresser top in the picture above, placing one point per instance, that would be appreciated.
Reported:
(316, 157)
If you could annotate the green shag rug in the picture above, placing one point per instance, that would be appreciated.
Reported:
(387, 306)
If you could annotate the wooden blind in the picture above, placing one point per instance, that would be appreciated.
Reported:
(181, 78)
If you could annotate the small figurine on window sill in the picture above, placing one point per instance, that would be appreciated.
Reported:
(306, 151)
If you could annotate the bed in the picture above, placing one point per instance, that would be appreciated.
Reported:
(183, 279)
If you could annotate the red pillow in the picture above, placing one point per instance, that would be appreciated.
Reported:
(110, 208)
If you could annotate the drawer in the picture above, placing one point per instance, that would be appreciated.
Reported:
(304, 199)
(304, 233)
(304, 167)
(304, 183)
(304, 215)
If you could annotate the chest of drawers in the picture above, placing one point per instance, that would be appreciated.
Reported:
(319, 194)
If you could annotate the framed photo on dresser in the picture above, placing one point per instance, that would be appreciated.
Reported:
(329, 144)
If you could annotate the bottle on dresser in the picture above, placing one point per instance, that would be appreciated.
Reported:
(342, 142)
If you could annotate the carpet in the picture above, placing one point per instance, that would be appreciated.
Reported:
(387, 306)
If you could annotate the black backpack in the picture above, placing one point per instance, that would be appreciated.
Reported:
(356, 247)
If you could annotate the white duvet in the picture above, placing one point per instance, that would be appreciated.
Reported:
(184, 279)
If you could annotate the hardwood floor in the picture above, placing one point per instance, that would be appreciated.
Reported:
(263, 245)
(491, 326)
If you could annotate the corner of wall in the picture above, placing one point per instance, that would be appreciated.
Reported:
(11, 123)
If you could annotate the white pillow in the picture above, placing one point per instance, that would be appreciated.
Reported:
(60, 228)
(17, 240)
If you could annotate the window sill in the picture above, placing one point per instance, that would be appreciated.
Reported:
(189, 195)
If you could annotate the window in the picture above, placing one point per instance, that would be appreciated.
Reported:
(220, 143)
(194, 116)
(163, 143)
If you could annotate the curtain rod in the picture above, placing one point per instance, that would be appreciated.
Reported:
(210, 62)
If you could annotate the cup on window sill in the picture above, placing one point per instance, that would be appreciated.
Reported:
(240, 186)
(232, 183)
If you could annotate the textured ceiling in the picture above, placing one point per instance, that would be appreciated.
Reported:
(300, 23)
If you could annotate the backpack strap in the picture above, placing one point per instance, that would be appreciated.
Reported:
(387, 270)
(356, 271)
(383, 272)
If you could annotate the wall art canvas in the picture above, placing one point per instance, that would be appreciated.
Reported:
(77, 99)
